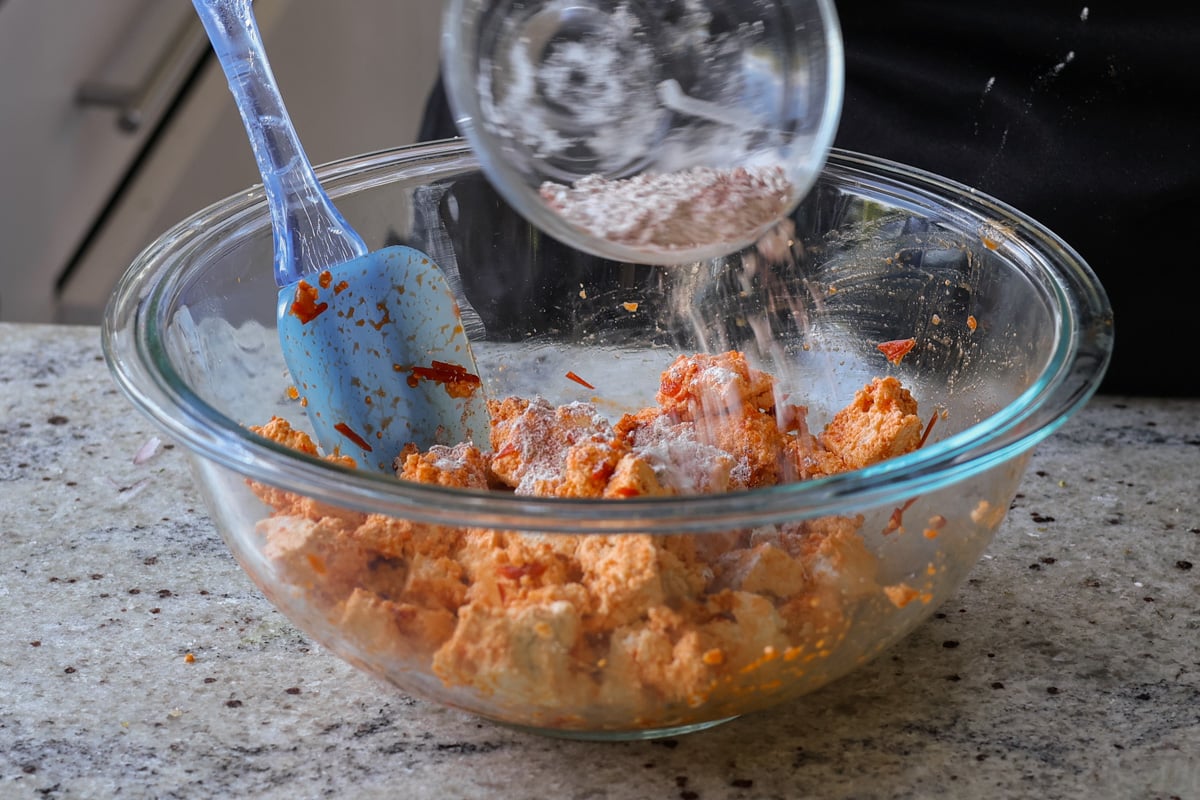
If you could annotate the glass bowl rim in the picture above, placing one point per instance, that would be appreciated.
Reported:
(137, 359)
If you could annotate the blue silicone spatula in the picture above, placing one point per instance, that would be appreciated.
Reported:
(373, 339)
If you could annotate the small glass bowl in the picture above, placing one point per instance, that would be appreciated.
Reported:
(647, 131)
(1012, 334)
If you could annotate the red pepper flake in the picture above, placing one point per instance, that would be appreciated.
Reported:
(572, 376)
(385, 319)
(972, 323)
(348, 432)
(602, 473)
(341, 287)
(896, 521)
(896, 349)
(324, 279)
(626, 491)
(514, 572)
(456, 379)
(928, 430)
(305, 307)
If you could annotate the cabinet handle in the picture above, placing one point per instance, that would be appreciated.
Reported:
(137, 103)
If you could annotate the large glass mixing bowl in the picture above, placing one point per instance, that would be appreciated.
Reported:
(476, 599)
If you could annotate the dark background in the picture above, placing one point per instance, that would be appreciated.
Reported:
(1082, 116)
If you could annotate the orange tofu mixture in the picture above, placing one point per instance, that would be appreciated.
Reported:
(648, 625)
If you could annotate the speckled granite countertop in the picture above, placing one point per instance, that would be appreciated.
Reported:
(1068, 665)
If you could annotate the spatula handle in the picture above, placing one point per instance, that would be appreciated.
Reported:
(310, 234)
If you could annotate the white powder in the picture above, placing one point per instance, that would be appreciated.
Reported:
(691, 208)
(681, 461)
(543, 434)
(449, 459)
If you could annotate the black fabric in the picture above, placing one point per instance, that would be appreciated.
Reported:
(1080, 115)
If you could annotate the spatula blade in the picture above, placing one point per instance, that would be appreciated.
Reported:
(378, 352)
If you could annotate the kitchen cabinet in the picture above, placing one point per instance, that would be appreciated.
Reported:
(117, 123)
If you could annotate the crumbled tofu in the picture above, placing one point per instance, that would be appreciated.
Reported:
(632, 622)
